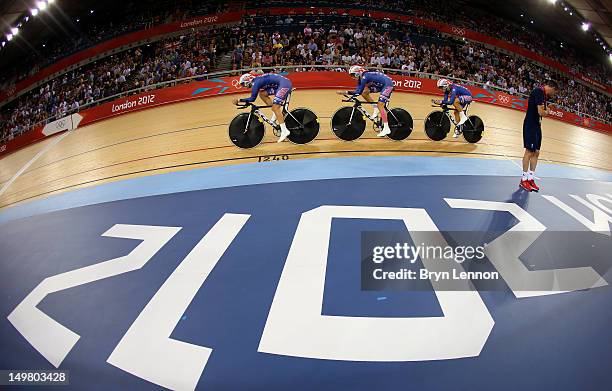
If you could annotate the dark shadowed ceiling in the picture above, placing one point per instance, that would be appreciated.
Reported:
(547, 18)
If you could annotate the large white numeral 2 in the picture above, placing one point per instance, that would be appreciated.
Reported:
(504, 253)
(296, 327)
(146, 350)
(50, 338)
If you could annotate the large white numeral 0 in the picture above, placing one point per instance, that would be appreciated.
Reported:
(50, 338)
(296, 327)
(504, 253)
(146, 350)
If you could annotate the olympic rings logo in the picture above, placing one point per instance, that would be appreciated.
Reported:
(458, 31)
(236, 84)
(505, 99)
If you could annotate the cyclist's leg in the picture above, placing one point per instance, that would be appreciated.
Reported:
(464, 101)
(283, 92)
(383, 99)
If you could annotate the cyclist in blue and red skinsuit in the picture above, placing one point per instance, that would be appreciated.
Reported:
(457, 96)
(264, 86)
(373, 82)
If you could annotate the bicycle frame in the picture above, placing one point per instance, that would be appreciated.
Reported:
(256, 110)
(357, 105)
(447, 110)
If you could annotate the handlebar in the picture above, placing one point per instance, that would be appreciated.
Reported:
(244, 105)
(349, 98)
(443, 107)
(352, 98)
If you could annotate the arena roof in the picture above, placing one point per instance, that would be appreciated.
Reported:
(599, 13)
(10, 12)
(552, 20)
(557, 22)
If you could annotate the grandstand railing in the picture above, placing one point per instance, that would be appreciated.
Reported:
(286, 68)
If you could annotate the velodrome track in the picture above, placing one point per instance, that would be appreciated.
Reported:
(194, 134)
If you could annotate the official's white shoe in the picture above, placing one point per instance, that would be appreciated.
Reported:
(463, 118)
(283, 136)
(386, 131)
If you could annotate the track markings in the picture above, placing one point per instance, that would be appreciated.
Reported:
(31, 161)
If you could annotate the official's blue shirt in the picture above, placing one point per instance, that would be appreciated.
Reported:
(536, 98)
(455, 91)
(269, 82)
(377, 80)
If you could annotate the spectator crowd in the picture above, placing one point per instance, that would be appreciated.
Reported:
(290, 40)
(461, 13)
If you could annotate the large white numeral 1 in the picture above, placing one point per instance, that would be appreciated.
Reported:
(504, 253)
(296, 327)
(146, 350)
(50, 338)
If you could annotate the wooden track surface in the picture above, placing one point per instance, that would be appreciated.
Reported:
(194, 134)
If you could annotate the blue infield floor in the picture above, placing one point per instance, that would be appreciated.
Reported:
(249, 277)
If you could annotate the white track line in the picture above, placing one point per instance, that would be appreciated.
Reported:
(506, 156)
(29, 163)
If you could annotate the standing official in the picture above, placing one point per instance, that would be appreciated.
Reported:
(532, 131)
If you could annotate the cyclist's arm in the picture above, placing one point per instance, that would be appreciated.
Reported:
(449, 100)
(360, 87)
(254, 92)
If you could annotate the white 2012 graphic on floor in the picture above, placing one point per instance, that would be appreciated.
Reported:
(295, 325)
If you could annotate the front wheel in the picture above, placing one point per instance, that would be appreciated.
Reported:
(437, 125)
(473, 129)
(303, 125)
(348, 123)
(246, 133)
(400, 123)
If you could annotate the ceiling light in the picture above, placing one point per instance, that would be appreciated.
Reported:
(9, 37)
(41, 5)
(34, 11)
(15, 30)
(585, 26)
